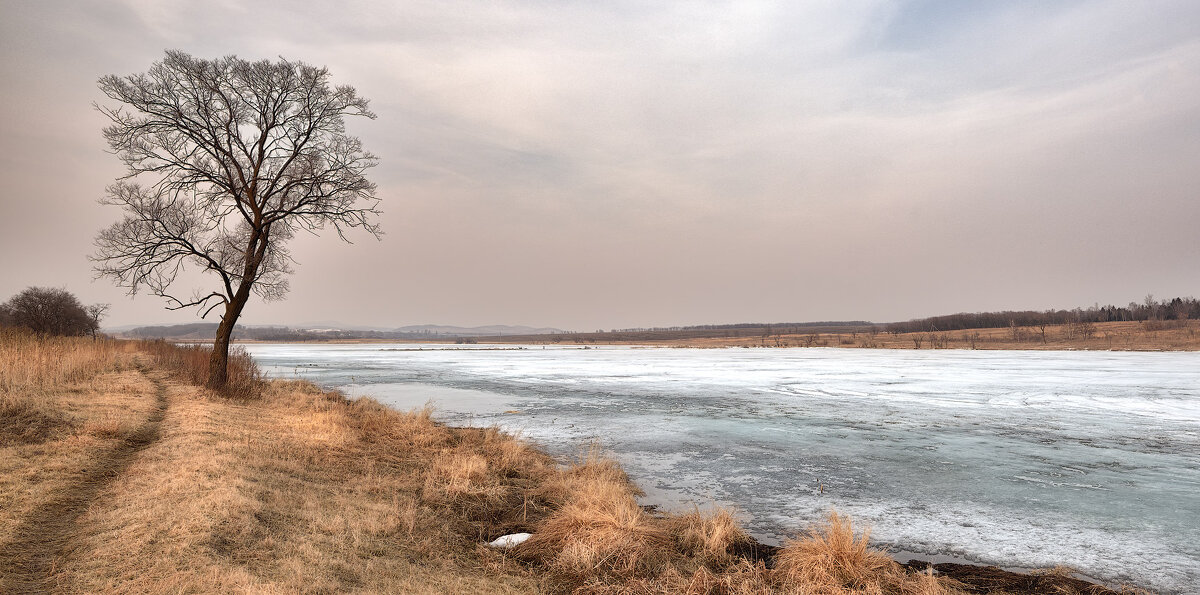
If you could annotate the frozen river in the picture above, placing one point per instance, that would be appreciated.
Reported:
(1021, 459)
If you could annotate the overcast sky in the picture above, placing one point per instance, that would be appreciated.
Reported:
(614, 164)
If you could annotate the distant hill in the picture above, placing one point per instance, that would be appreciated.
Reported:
(478, 331)
(195, 330)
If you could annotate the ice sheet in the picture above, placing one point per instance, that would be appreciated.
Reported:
(1090, 459)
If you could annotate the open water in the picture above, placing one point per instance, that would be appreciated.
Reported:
(1020, 459)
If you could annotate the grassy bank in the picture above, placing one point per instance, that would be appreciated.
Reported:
(118, 473)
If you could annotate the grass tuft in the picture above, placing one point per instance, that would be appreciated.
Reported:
(833, 555)
(711, 539)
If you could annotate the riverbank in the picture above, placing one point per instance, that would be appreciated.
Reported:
(120, 474)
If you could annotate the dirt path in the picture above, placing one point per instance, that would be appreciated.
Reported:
(41, 538)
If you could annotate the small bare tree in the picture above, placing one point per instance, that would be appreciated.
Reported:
(1042, 323)
(238, 157)
(95, 313)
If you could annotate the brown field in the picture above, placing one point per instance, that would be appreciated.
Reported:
(1171, 335)
(119, 474)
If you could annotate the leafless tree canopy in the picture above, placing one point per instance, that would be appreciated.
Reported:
(227, 159)
(51, 311)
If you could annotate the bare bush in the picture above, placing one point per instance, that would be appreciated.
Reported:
(1079, 330)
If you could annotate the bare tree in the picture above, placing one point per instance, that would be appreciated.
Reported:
(238, 156)
(95, 313)
(51, 311)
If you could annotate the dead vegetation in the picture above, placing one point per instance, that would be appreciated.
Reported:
(31, 363)
(286, 488)
(190, 364)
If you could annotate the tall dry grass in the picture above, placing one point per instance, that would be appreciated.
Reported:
(31, 363)
(836, 560)
(32, 367)
(190, 363)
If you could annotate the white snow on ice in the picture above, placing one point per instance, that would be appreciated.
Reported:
(1089, 459)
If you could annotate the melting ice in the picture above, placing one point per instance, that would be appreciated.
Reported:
(1026, 459)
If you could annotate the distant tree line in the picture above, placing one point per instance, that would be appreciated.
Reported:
(777, 327)
(270, 333)
(711, 331)
(52, 311)
(1149, 310)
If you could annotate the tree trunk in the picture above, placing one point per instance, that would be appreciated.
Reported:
(218, 362)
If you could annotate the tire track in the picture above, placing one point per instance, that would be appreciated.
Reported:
(41, 539)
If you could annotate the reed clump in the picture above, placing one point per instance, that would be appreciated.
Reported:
(710, 538)
(833, 557)
(597, 532)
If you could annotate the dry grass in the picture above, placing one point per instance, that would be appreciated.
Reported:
(29, 363)
(1182, 335)
(299, 490)
(284, 493)
(55, 432)
(833, 555)
(190, 364)
(836, 560)
(598, 540)
(601, 543)
(23, 421)
(598, 532)
(709, 538)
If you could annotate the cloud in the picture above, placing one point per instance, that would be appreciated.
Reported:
(740, 153)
